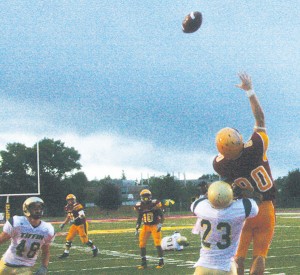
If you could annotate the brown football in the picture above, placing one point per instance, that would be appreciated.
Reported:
(192, 22)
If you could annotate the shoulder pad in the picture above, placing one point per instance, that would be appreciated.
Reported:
(157, 204)
(78, 207)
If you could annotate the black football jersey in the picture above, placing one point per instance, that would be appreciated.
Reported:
(149, 213)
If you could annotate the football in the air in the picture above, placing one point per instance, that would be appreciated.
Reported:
(192, 22)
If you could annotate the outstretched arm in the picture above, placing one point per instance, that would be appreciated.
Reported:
(257, 110)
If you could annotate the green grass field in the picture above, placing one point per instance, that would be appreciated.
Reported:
(119, 252)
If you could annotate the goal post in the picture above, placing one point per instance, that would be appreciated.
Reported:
(38, 193)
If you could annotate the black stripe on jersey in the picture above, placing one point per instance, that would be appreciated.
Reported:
(196, 203)
(247, 206)
(11, 221)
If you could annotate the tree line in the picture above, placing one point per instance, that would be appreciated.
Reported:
(60, 174)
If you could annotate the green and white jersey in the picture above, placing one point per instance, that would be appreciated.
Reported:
(170, 242)
(26, 240)
(220, 230)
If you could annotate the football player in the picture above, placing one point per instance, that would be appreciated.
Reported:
(219, 222)
(202, 187)
(246, 167)
(174, 242)
(151, 215)
(29, 235)
(79, 226)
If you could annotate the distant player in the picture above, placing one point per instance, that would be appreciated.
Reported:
(174, 242)
(246, 166)
(202, 187)
(79, 226)
(29, 235)
(220, 224)
(151, 215)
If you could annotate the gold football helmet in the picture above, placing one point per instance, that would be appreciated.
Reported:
(33, 207)
(71, 197)
(229, 143)
(220, 194)
(146, 195)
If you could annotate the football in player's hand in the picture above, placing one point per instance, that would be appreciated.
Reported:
(192, 22)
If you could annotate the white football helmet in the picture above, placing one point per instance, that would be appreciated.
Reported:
(229, 143)
(182, 241)
(33, 207)
(220, 194)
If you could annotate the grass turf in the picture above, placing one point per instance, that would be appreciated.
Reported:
(119, 252)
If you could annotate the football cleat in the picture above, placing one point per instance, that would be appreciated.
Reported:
(64, 255)
(143, 264)
(95, 252)
(220, 194)
(160, 263)
(146, 195)
(33, 207)
(229, 143)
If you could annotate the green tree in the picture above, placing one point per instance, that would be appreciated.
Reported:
(17, 175)
(166, 187)
(293, 183)
(57, 164)
(110, 197)
(76, 185)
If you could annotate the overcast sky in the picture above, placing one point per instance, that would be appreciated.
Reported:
(121, 83)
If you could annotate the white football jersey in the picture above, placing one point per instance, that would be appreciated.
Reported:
(170, 242)
(220, 230)
(26, 240)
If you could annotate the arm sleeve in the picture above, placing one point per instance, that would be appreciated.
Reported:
(8, 228)
(51, 235)
(139, 219)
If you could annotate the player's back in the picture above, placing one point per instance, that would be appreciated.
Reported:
(220, 230)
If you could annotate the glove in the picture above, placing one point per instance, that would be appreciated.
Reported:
(41, 271)
(61, 226)
(136, 233)
(158, 227)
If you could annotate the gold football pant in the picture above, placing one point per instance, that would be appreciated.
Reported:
(260, 229)
(145, 233)
(81, 230)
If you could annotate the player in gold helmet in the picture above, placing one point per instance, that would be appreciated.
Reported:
(245, 165)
